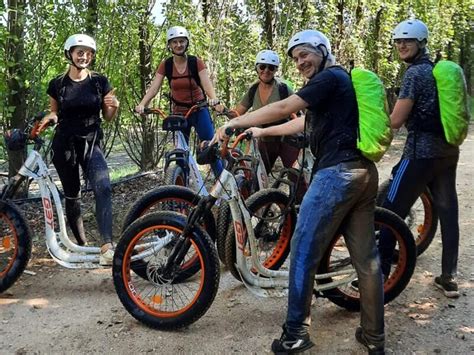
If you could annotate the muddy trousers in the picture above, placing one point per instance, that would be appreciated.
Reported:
(339, 198)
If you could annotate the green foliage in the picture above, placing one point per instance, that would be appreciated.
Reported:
(226, 34)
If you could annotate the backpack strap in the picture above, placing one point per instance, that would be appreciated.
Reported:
(252, 91)
(95, 81)
(283, 90)
(192, 68)
(169, 69)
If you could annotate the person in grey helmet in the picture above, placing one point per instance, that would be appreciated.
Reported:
(427, 159)
(341, 194)
(266, 90)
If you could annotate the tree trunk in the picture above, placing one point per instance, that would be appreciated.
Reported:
(268, 22)
(92, 18)
(17, 92)
(148, 134)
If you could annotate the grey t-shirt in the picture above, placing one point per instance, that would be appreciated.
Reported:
(257, 102)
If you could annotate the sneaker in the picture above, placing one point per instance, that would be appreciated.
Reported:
(355, 285)
(448, 285)
(372, 349)
(106, 257)
(289, 344)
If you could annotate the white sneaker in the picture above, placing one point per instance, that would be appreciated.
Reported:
(107, 257)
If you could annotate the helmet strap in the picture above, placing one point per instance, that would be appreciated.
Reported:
(325, 54)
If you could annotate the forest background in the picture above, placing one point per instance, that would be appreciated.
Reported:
(227, 34)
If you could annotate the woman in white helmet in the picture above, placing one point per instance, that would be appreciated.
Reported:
(341, 195)
(266, 90)
(189, 82)
(427, 159)
(77, 99)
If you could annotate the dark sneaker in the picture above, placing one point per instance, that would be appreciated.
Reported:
(288, 344)
(448, 285)
(372, 349)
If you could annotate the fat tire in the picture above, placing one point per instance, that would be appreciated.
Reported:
(133, 303)
(13, 269)
(398, 279)
(254, 203)
(223, 223)
(423, 239)
(171, 193)
(177, 196)
(175, 175)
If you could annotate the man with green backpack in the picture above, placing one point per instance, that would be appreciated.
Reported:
(431, 151)
(341, 194)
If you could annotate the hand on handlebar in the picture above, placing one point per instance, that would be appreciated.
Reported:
(49, 119)
(256, 132)
(140, 109)
(222, 132)
(216, 105)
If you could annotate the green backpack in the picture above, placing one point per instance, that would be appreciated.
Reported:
(453, 101)
(375, 134)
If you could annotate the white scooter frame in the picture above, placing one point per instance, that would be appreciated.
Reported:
(61, 248)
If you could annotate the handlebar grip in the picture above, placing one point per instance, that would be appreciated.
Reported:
(147, 110)
(39, 116)
(229, 131)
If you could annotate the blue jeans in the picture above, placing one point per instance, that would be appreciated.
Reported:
(339, 198)
(202, 123)
(409, 179)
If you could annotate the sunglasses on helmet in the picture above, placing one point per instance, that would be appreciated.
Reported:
(270, 67)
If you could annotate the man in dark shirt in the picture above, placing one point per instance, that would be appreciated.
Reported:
(428, 159)
(341, 195)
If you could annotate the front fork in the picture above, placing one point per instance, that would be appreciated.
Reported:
(184, 241)
(12, 187)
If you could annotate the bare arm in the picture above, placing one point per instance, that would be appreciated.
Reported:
(241, 109)
(207, 85)
(284, 129)
(270, 113)
(151, 92)
(400, 112)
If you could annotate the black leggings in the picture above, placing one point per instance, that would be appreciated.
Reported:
(66, 159)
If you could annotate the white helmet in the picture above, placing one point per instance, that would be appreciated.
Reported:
(78, 40)
(267, 57)
(411, 29)
(175, 32)
(312, 37)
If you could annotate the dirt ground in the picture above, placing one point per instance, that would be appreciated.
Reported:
(56, 310)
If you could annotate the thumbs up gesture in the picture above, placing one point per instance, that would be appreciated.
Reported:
(111, 100)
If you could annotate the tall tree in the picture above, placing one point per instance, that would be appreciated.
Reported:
(17, 92)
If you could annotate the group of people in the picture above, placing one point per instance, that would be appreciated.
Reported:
(343, 188)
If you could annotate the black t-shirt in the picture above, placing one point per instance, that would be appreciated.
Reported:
(80, 102)
(333, 117)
